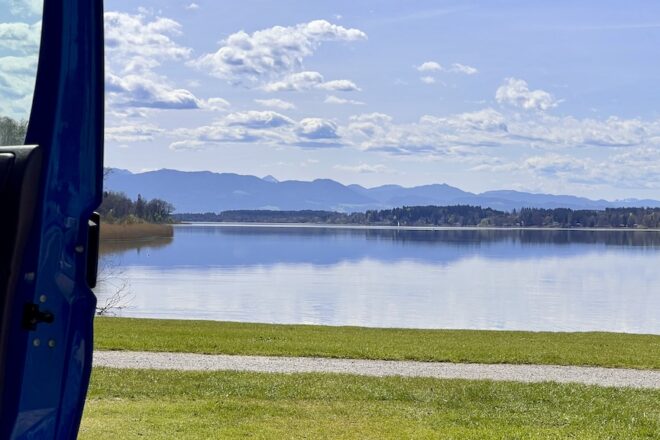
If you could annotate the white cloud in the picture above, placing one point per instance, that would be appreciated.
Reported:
(635, 168)
(258, 119)
(431, 69)
(462, 68)
(150, 91)
(19, 42)
(554, 164)
(229, 134)
(188, 145)
(248, 131)
(487, 120)
(215, 104)
(476, 138)
(132, 133)
(135, 46)
(474, 134)
(273, 52)
(367, 125)
(263, 127)
(480, 131)
(17, 76)
(295, 82)
(25, 7)
(631, 146)
(114, 114)
(340, 85)
(20, 37)
(317, 128)
(133, 42)
(276, 103)
(455, 135)
(516, 92)
(430, 66)
(554, 132)
(364, 168)
(308, 80)
(192, 6)
(376, 118)
(337, 100)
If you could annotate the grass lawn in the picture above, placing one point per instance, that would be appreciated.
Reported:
(125, 404)
(595, 349)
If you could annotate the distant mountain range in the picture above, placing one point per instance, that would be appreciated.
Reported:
(204, 191)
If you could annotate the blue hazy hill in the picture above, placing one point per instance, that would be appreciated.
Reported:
(204, 191)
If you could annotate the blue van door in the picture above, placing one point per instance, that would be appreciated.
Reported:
(49, 189)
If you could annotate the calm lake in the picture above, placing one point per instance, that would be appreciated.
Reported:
(451, 278)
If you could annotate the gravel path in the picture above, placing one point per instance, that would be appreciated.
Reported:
(615, 377)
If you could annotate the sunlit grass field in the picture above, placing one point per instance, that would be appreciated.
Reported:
(593, 349)
(127, 404)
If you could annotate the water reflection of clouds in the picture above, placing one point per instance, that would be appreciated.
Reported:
(559, 295)
(531, 280)
(250, 246)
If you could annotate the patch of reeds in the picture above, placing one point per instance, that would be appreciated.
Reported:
(135, 231)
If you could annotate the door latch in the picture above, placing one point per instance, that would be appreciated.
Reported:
(33, 316)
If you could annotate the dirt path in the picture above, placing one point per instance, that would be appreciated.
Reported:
(615, 377)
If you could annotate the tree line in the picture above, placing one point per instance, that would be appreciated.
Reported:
(268, 216)
(460, 215)
(119, 208)
(12, 132)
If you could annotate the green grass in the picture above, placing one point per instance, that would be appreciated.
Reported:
(125, 404)
(595, 349)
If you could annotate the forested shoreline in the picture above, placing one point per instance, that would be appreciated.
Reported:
(449, 216)
(125, 219)
(119, 208)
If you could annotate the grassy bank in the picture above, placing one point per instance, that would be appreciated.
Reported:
(594, 349)
(164, 405)
(135, 231)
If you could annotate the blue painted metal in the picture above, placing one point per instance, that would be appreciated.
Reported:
(46, 376)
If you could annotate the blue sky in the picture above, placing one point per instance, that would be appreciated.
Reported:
(544, 96)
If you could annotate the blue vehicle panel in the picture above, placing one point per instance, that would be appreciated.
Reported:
(47, 325)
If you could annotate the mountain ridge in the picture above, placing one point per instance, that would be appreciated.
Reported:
(206, 191)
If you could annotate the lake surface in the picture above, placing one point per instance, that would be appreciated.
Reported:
(473, 279)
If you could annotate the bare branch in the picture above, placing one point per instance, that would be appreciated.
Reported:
(111, 278)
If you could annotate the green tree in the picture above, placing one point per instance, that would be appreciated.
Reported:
(158, 211)
(12, 132)
(140, 206)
